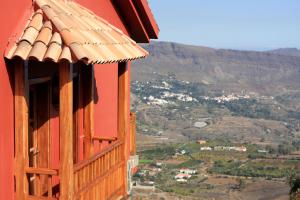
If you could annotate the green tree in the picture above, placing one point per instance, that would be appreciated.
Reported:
(294, 182)
(283, 149)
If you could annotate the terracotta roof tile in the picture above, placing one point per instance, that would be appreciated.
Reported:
(66, 54)
(53, 52)
(79, 52)
(66, 30)
(48, 24)
(44, 35)
(49, 12)
(30, 35)
(38, 51)
(37, 20)
(56, 38)
(22, 50)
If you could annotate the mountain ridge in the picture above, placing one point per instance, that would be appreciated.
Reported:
(224, 69)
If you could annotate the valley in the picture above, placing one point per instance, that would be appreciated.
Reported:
(182, 94)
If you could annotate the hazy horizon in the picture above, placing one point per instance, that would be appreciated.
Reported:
(199, 45)
(241, 25)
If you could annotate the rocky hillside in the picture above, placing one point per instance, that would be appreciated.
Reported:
(286, 51)
(272, 72)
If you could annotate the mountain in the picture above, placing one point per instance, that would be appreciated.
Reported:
(286, 51)
(272, 72)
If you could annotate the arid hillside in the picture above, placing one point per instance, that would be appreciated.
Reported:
(269, 72)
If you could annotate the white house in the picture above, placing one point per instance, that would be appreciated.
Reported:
(187, 171)
(205, 149)
(181, 180)
(183, 176)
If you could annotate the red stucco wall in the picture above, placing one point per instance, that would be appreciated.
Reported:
(13, 15)
(106, 100)
(106, 10)
(106, 75)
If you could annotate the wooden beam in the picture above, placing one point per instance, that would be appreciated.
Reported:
(39, 80)
(41, 171)
(66, 172)
(21, 128)
(104, 139)
(132, 20)
(123, 115)
(122, 99)
(87, 84)
(132, 134)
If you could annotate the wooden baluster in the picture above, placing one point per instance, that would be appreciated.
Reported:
(84, 176)
(109, 178)
(90, 179)
(80, 182)
(49, 186)
(38, 185)
(97, 167)
(76, 182)
(101, 182)
(95, 172)
(94, 177)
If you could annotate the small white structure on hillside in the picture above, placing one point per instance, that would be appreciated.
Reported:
(241, 149)
(183, 176)
(223, 148)
(262, 151)
(181, 180)
(205, 148)
(183, 152)
(187, 171)
(201, 141)
(158, 164)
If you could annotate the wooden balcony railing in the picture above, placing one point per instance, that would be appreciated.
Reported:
(103, 175)
(41, 175)
(132, 133)
(104, 139)
(100, 177)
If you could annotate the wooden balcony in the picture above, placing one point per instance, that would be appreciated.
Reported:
(100, 177)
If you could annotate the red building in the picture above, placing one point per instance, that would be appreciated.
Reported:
(66, 127)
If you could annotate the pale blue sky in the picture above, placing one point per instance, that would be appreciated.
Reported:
(236, 24)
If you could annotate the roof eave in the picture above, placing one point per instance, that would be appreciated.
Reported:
(134, 23)
(147, 18)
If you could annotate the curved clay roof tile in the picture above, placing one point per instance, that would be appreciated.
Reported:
(64, 30)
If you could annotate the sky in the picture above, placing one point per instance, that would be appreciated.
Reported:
(235, 24)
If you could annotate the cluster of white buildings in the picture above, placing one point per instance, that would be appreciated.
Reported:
(165, 86)
(179, 96)
(227, 98)
(156, 101)
(163, 99)
(166, 95)
(224, 148)
(184, 175)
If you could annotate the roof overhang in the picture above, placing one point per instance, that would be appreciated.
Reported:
(147, 18)
(64, 30)
(139, 19)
